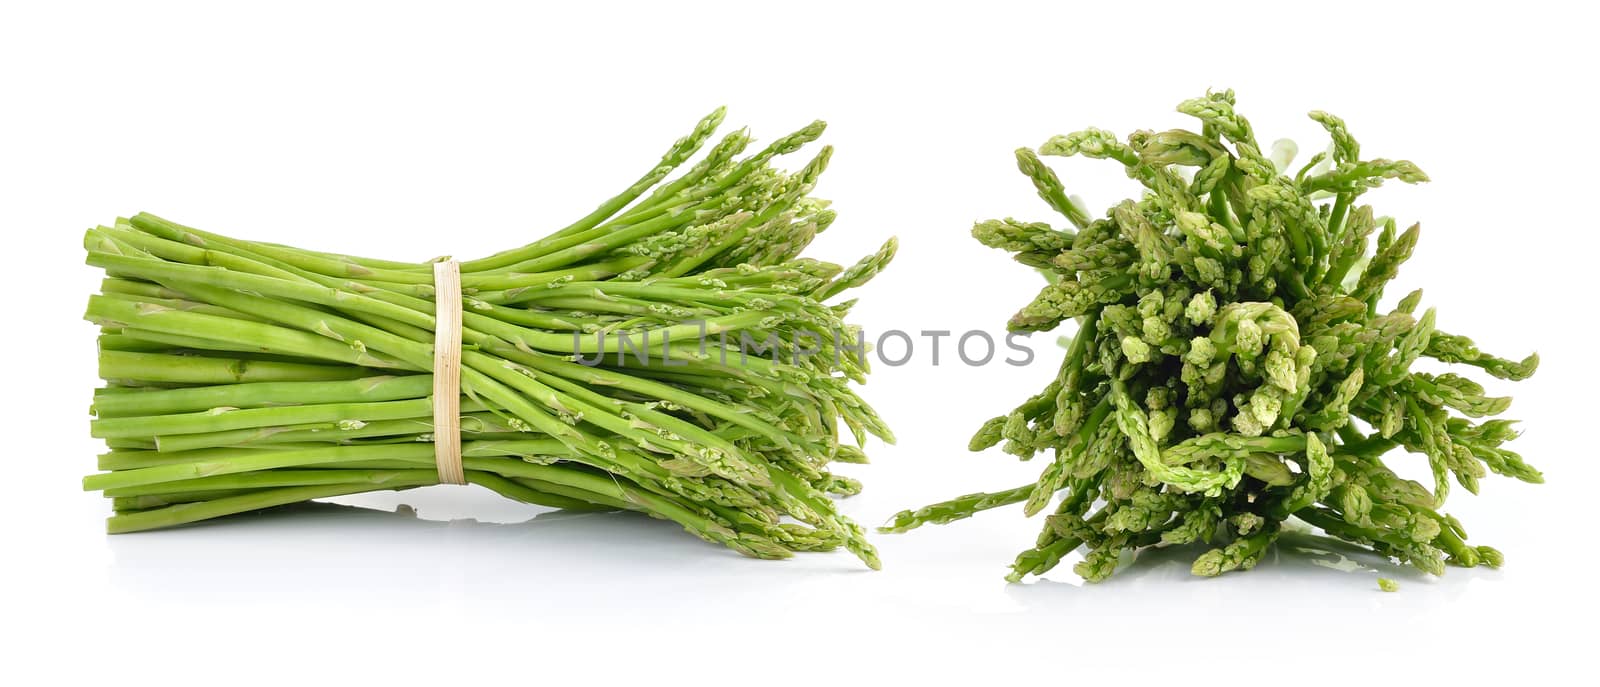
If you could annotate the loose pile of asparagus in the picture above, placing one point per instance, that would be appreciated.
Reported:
(242, 375)
(1231, 367)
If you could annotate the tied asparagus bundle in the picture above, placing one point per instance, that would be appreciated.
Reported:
(242, 375)
(1231, 367)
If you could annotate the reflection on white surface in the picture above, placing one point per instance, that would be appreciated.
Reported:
(459, 571)
(514, 554)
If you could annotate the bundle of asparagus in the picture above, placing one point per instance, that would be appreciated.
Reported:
(242, 375)
(1231, 367)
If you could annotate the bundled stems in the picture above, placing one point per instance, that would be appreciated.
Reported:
(604, 366)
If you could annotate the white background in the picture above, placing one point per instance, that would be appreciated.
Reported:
(410, 130)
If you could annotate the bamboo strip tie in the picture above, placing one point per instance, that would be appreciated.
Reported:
(447, 372)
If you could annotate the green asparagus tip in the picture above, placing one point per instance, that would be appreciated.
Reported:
(1209, 564)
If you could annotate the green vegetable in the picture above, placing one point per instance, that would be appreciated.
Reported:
(243, 375)
(1388, 585)
(1232, 367)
